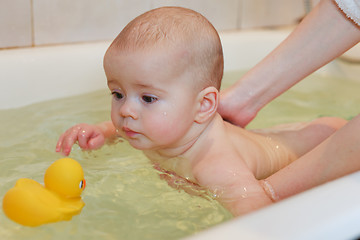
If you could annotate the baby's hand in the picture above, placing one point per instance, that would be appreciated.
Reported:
(89, 137)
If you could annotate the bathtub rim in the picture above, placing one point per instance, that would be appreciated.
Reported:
(27, 71)
(40, 65)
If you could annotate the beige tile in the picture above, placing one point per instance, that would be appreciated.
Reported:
(62, 21)
(265, 13)
(15, 23)
(222, 14)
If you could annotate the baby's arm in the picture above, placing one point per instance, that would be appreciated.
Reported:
(246, 196)
(89, 137)
(232, 183)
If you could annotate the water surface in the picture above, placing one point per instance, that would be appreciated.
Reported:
(125, 197)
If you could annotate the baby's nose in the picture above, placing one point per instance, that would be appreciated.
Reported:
(128, 109)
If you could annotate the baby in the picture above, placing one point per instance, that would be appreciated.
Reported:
(164, 71)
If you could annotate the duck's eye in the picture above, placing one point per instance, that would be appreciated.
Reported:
(82, 184)
(149, 99)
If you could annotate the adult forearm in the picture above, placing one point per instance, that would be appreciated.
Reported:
(322, 36)
(337, 156)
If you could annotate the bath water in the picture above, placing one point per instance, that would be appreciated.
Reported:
(125, 197)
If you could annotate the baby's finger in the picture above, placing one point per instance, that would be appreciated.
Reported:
(96, 142)
(59, 143)
(84, 135)
(69, 139)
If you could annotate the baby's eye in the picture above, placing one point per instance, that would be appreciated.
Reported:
(117, 95)
(149, 99)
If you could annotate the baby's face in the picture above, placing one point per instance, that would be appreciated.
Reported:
(153, 104)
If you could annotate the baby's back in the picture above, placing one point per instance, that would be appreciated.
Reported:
(268, 150)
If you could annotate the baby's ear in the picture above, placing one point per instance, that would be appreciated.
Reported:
(208, 100)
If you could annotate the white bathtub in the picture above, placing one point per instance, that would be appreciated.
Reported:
(331, 211)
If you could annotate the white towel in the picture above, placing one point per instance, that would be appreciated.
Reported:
(351, 8)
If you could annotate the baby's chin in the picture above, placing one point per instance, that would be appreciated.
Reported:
(139, 145)
(135, 142)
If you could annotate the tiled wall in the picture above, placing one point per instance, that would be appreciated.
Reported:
(25, 23)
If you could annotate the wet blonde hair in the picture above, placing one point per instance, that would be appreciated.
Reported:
(177, 27)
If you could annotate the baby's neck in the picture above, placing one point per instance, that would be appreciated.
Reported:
(173, 152)
(180, 159)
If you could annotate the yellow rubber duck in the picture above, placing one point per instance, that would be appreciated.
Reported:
(31, 204)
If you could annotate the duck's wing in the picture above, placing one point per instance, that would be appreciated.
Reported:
(72, 207)
(27, 183)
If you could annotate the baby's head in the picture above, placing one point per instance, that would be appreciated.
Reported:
(164, 70)
(190, 36)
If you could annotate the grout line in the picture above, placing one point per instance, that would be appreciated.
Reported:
(239, 16)
(32, 23)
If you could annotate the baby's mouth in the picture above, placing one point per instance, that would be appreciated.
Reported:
(129, 133)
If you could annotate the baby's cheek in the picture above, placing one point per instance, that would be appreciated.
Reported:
(160, 124)
(163, 127)
(115, 120)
